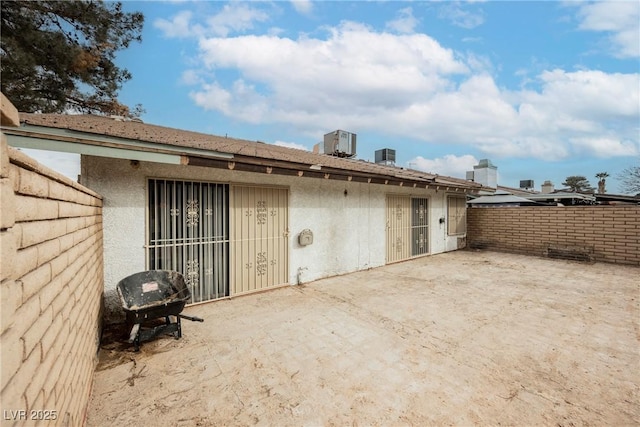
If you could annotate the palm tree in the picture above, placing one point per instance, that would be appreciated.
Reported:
(601, 182)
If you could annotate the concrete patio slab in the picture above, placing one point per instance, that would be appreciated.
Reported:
(455, 339)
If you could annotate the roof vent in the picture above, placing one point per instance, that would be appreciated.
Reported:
(526, 184)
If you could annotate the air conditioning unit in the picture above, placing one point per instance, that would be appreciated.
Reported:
(340, 143)
(526, 183)
(386, 156)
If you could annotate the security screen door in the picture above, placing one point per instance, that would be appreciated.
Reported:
(259, 238)
(407, 227)
(188, 231)
(419, 226)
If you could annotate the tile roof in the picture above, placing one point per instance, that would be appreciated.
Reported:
(165, 136)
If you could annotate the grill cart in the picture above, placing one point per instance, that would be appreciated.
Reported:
(151, 295)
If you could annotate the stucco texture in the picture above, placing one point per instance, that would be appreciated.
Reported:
(347, 218)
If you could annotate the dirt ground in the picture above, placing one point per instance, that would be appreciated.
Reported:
(464, 338)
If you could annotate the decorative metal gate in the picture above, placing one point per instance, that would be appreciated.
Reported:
(407, 227)
(419, 227)
(189, 233)
(259, 238)
(398, 228)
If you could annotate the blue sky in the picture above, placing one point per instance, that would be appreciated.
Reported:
(543, 89)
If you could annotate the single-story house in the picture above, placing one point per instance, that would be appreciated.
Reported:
(617, 199)
(237, 216)
(565, 198)
(499, 201)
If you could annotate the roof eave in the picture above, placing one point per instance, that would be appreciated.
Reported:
(44, 137)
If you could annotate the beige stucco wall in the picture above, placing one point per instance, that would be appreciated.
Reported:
(51, 281)
(349, 231)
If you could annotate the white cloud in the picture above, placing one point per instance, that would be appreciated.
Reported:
(233, 17)
(621, 19)
(461, 16)
(291, 145)
(449, 165)
(583, 101)
(190, 77)
(478, 63)
(213, 97)
(405, 23)
(408, 85)
(472, 39)
(606, 146)
(179, 26)
(309, 78)
(523, 146)
(476, 111)
(304, 7)
(241, 100)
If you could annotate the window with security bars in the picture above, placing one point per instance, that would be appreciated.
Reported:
(457, 215)
(188, 232)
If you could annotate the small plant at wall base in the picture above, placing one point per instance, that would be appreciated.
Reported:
(602, 176)
(630, 180)
(578, 184)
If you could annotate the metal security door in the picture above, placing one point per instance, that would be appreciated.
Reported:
(398, 228)
(188, 231)
(419, 227)
(259, 238)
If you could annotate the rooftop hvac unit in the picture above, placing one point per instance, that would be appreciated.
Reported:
(386, 156)
(526, 183)
(340, 143)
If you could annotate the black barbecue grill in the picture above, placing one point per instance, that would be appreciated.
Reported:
(151, 295)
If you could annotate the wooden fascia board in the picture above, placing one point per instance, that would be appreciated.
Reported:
(306, 168)
(249, 164)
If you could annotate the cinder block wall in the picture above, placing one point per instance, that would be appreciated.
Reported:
(611, 233)
(51, 272)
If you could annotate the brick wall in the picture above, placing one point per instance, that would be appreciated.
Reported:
(51, 273)
(604, 233)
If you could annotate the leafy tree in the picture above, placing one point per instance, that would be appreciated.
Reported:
(602, 177)
(57, 56)
(578, 184)
(630, 180)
